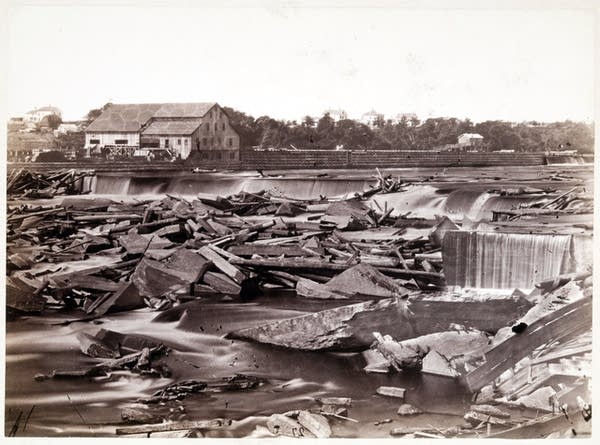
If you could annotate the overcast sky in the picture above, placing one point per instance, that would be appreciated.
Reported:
(289, 61)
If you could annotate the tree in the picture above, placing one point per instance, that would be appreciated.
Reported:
(95, 112)
(308, 121)
(52, 120)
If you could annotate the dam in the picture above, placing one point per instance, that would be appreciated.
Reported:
(311, 265)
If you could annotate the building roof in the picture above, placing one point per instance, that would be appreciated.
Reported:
(182, 127)
(47, 109)
(131, 117)
(123, 117)
(471, 135)
(198, 109)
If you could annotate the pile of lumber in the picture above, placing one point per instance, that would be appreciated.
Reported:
(25, 184)
(576, 200)
(99, 255)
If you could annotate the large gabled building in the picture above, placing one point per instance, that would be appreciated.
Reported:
(180, 128)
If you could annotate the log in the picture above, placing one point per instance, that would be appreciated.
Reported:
(305, 264)
(89, 282)
(108, 216)
(247, 250)
(175, 426)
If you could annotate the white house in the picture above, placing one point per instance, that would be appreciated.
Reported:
(371, 117)
(337, 115)
(67, 127)
(36, 116)
(470, 139)
(408, 117)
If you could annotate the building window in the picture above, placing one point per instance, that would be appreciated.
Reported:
(223, 126)
(216, 128)
(121, 141)
(207, 128)
(185, 141)
(212, 142)
(204, 142)
(166, 143)
(230, 142)
(232, 155)
(218, 155)
(178, 141)
(94, 141)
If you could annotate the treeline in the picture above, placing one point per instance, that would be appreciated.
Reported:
(408, 134)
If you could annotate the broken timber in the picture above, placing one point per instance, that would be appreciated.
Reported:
(298, 264)
(574, 318)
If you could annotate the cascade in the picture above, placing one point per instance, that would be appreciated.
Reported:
(504, 260)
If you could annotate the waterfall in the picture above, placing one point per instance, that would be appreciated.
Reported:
(504, 260)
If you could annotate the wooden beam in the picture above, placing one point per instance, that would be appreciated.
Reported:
(574, 317)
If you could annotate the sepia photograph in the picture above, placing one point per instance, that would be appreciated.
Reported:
(301, 219)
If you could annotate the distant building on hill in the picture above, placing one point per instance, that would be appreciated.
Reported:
(371, 118)
(470, 139)
(337, 115)
(409, 118)
(181, 129)
(36, 116)
(68, 127)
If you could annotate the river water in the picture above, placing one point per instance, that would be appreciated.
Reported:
(195, 330)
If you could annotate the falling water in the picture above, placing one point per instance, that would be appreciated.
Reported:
(503, 260)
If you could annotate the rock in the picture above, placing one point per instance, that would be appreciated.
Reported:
(281, 425)
(490, 410)
(541, 398)
(334, 410)
(311, 289)
(139, 415)
(125, 298)
(89, 345)
(391, 391)
(337, 329)
(22, 297)
(189, 263)
(475, 418)
(134, 243)
(221, 283)
(364, 279)
(315, 423)
(337, 401)
(439, 231)
(486, 394)
(436, 363)
(288, 209)
(407, 409)
(401, 356)
(155, 279)
(376, 362)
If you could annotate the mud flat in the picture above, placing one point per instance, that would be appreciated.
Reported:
(261, 314)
